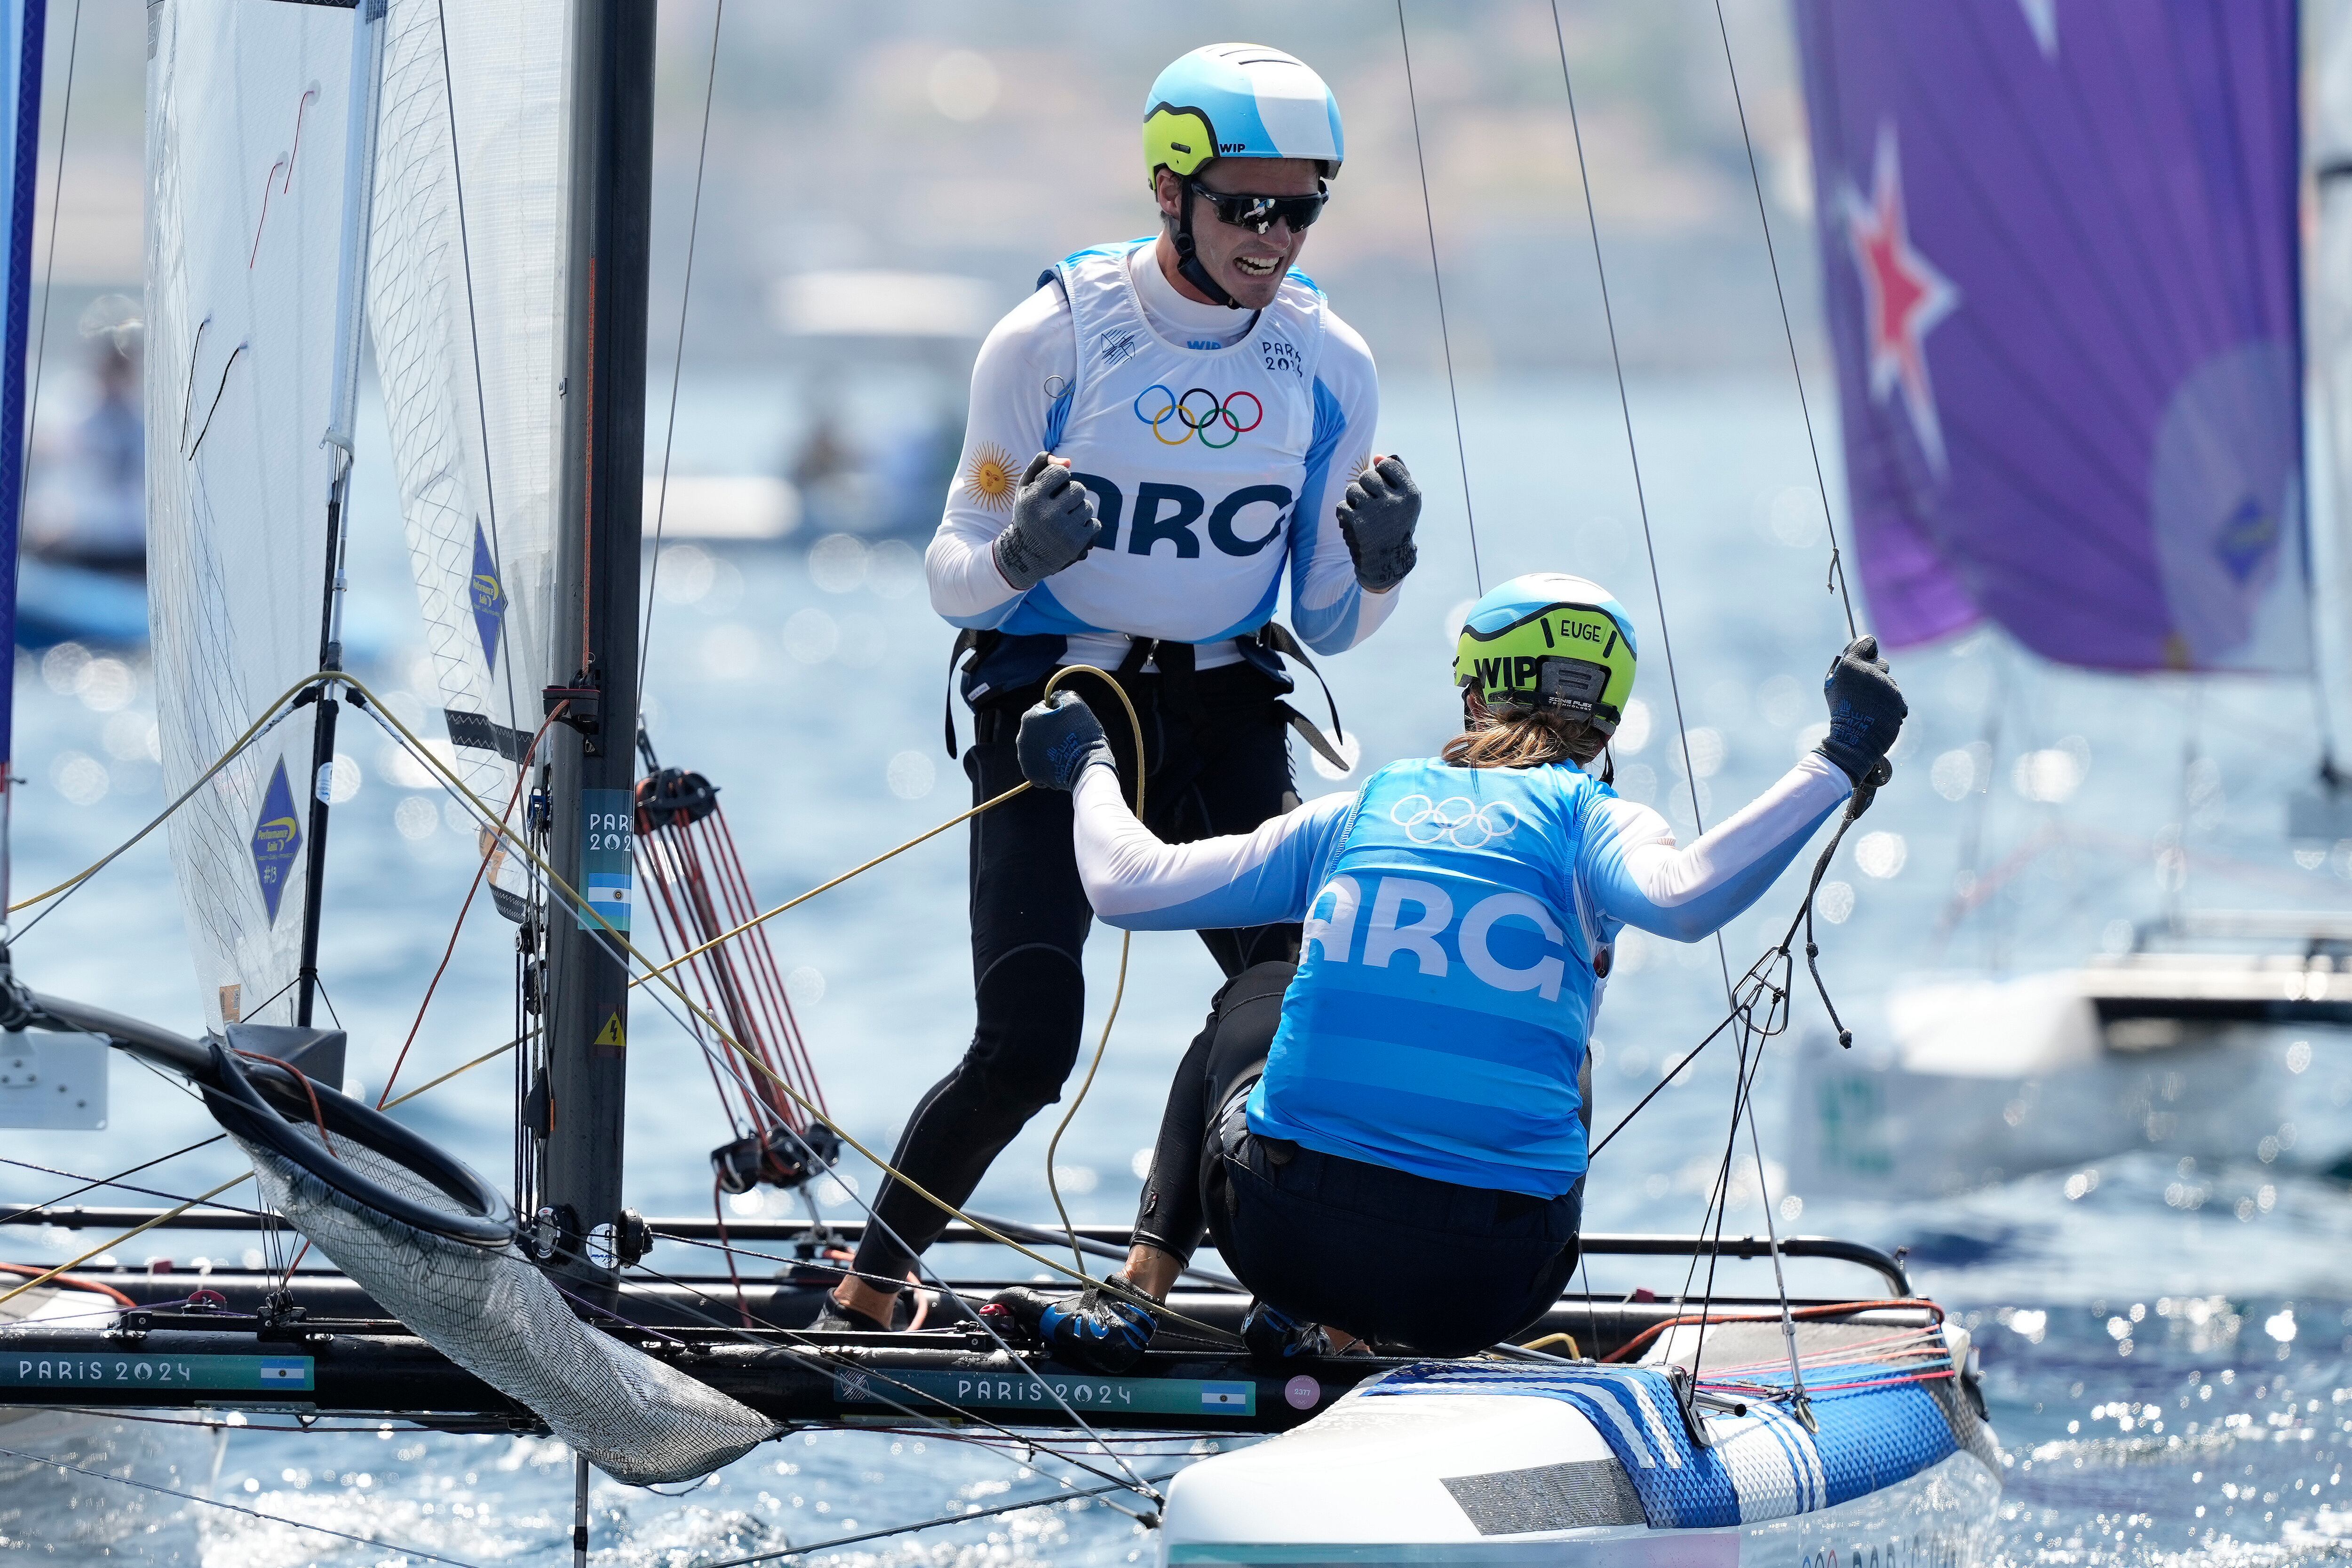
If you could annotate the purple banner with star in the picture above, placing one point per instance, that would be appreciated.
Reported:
(2060, 248)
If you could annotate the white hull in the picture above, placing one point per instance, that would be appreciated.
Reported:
(1497, 1477)
(1941, 1518)
(1988, 1080)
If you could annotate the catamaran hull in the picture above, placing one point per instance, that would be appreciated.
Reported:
(1939, 1520)
(1445, 1482)
(1990, 1080)
(1582, 1463)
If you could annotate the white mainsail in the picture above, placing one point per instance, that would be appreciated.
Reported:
(465, 278)
(246, 122)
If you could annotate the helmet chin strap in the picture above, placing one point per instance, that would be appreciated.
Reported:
(1188, 263)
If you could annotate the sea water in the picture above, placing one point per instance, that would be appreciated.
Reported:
(2165, 1340)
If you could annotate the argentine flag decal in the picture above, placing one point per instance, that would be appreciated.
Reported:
(295, 1371)
(1225, 1395)
(609, 895)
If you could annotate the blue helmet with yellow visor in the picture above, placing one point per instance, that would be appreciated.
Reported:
(1549, 642)
(1239, 100)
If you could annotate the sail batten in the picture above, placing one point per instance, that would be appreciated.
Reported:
(2063, 283)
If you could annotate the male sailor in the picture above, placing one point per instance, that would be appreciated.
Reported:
(1201, 423)
(1387, 1140)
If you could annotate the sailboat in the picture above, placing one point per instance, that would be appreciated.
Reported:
(2066, 291)
(418, 159)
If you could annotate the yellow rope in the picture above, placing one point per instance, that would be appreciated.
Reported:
(498, 828)
(1118, 994)
(491, 1055)
(808, 1107)
(6, 1297)
(184, 795)
(795, 903)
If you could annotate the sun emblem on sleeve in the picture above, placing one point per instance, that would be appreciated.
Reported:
(990, 477)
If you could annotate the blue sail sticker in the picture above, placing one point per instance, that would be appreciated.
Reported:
(488, 598)
(607, 871)
(276, 840)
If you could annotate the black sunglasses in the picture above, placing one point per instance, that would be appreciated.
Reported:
(1262, 213)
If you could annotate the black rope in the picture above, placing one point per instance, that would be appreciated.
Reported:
(876, 1222)
(114, 1180)
(1820, 484)
(1760, 980)
(677, 361)
(1437, 282)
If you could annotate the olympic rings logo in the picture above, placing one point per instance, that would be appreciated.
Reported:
(1179, 414)
(1454, 819)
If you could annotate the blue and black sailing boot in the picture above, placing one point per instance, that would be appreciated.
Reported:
(1094, 1331)
(1275, 1339)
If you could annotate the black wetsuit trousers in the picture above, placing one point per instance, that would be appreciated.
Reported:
(1405, 1260)
(1217, 752)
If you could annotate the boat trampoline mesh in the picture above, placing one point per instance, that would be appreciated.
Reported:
(498, 1316)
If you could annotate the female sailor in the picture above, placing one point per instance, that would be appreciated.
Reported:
(1415, 1088)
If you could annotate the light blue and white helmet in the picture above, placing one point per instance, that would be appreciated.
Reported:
(1239, 100)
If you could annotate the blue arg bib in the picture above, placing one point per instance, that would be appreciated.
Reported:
(1446, 990)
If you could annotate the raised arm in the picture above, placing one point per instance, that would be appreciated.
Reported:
(1631, 870)
(1330, 609)
(1138, 884)
(1012, 420)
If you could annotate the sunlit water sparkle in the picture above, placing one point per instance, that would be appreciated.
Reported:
(812, 698)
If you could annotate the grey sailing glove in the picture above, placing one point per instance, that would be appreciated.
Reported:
(1866, 710)
(1059, 739)
(1377, 519)
(1053, 525)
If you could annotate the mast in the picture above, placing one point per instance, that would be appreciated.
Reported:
(591, 773)
(22, 25)
(351, 294)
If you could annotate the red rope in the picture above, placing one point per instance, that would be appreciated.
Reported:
(1632, 1347)
(700, 890)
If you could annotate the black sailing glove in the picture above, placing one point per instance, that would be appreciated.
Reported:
(1866, 709)
(1377, 519)
(1053, 525)
(1059, 739)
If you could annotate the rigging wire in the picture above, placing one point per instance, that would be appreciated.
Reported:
(871, 1372)
(1666, 635)
(1445, 338)
(235, 1508)
(941, 1522)
(1755, 182)
(617, 941)
(113, 1180)
(43, 1279)
(873, 1218)
(491, 851)
(48, 274)
(124, 1186)
(677, 361)
(272, 716)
